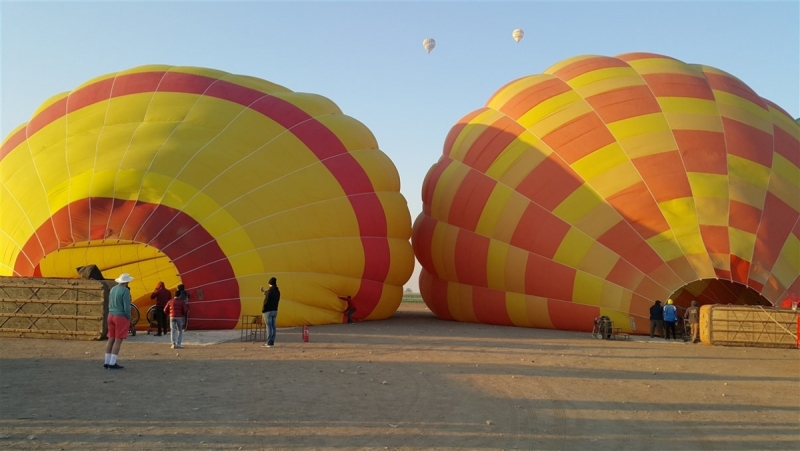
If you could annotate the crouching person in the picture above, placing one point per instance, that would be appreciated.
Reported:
(176, 309)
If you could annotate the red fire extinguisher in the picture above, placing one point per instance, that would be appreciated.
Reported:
(305, 334)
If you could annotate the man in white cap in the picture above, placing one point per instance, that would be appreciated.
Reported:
(119, 320)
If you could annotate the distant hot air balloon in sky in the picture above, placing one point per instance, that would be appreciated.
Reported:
(217, 181)
(517, 34)
(429, 44)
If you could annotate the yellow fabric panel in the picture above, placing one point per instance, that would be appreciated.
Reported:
(606, 74)
(645, 124)
(24, 203)
(599, 260)
(612, 296)
(786, 170)
(379, 168)
(46, 104)
(496, 265)
(720, 261)
(493, 210)
(743, 110)
(573, 248)
(587, 289)
(708, 185)
(456, 296)
(354, 135)
(341, 257)
(787, 266)
(294, 313)
(615, 179)
(538, 312)
(598, 221)
(785, 190)
(578, 204)
(666, 245)
(680, 213)
(14, 132)
(685, 121)
(759, 273)
(509, 217)
(742, 243)
(446, 189)
(471, 132)
(516, 305)
(388, 303)
(711, 211)
(605, 80)
(600, 161)
(507, 93)
(663, 66)
(619, 317)
(525, 148)
(554, 112)
(516, 262)
(785, 123)
(446, 247)
(649, 144)
(398, 219)
(401, 265)
(689, 105)
(316, 106)
(702, 264)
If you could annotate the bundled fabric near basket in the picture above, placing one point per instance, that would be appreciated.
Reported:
(734, 325)
(53, 308)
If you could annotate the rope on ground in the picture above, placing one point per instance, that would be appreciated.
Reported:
(776, 322)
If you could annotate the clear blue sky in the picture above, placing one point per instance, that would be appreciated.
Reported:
(368, 58)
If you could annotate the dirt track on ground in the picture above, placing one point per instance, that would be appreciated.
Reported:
(411, 382)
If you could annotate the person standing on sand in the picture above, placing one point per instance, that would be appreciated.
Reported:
(692, 315)
(183, 295)
(670, 317)
(119, 320)
(177, 309)
(657, 319)
(162, 296)
(272, 297)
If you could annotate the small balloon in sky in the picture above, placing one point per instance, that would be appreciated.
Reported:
(428, 44)
(517, 34)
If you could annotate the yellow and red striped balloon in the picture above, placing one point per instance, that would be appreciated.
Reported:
(214, 180)
(604, 184)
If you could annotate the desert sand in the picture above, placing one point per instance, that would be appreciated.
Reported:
(410, 382)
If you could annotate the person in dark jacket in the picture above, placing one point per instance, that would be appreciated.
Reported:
(670, 318)
(272, 296)
(657, 319)
(162, 296)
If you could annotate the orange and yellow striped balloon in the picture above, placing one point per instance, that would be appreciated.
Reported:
(214, 180)
(604, 184)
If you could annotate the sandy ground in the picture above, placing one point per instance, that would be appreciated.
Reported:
(411, 382)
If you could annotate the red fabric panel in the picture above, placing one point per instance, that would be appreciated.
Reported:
(530, 97)
(587, 65)
(623, 240)
(665, 175)
(485, 150)
(434, 293)
(569, 316)
(490, 306)
(739, 269)
(579, 137)
(471, 253)
(456, 130)
(744, 217)
(624, 103)
(637, 206)
(679, 85)
(734, 86)
(748, 142)
(538, 231)
(549, 183)
(785, 145)
(716, 239)
(470, 199)
(430, 183)
(702, 151)
(624, 275)
(777, 221)
(421, 240)
(546, 278)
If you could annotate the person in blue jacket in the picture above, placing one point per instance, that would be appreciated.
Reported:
(670, 317)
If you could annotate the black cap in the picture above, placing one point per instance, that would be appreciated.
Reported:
(273, 281)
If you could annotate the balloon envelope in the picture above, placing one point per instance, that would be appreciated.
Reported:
(210, 179)
(428, 44)
(517, 34)
(605, 184)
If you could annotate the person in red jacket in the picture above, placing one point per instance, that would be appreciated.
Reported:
(176, 309)
(162, 296)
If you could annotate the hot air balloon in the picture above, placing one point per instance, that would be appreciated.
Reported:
(428, 44)
(607, 183)
(213, 180)
(517, 34)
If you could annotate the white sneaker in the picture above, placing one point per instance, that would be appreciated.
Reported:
(173, 346)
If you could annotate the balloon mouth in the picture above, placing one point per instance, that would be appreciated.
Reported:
(147, 264)
(718, 291)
